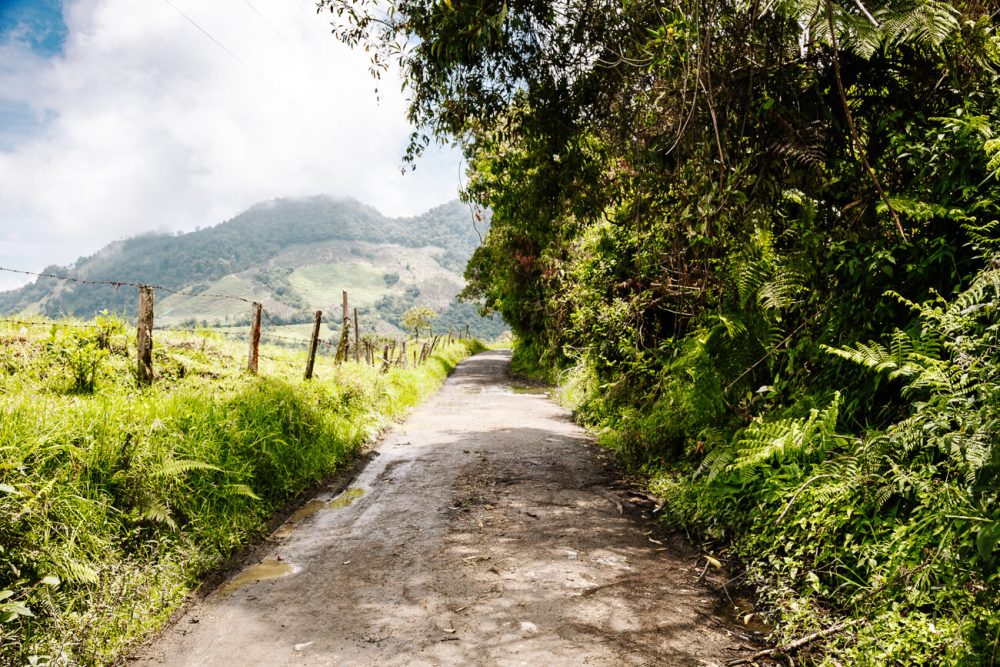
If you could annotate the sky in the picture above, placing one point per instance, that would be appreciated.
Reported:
(120, 117)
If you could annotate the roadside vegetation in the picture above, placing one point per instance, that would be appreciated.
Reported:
(115, 500)
(757, 244)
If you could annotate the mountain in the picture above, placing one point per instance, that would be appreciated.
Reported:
(293, 255)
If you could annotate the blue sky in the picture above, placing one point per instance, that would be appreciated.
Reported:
(38, 23)
(119, 117)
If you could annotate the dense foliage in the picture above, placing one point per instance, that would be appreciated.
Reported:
(115, 500)
(758, 241)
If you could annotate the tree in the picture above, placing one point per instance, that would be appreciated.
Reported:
(417, 318)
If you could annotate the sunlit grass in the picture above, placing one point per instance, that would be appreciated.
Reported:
(115, 500)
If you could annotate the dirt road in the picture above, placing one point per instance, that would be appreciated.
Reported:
(485, 531)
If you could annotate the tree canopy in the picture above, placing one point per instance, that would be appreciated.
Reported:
(711, 212)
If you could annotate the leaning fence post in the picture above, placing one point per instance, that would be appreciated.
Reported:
(254, 354)
(357, 338)
(313, 344)
(345, 335)
(144, 335)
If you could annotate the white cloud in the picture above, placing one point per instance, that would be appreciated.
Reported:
(151, 125)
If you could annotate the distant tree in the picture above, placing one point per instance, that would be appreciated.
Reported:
(417, 318)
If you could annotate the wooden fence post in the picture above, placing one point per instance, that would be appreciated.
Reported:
(254, 354)
(467, 336)
(402, 354)
(385, 359)
(357, 338)
(345, 335)
(313, 344)
(144, 335)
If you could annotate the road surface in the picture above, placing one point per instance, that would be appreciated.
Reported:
(487, 529)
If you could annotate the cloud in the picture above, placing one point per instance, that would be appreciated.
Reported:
(144, 123)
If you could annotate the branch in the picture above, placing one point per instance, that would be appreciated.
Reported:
(850, 123)
(795, 645)
(866, 13)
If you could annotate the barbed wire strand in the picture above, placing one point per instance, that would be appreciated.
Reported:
(117, 284)
(42, 323)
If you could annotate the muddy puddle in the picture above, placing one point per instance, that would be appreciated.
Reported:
(314, 506)
(264, 571)
(306, 511)
(346, 498)
(740, 613)
(513, 388)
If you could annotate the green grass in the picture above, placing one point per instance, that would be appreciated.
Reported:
(175, 308)
(116, 500)
(322, 283)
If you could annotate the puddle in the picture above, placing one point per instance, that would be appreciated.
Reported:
(738, 616)
(346, 498)
(263, 571)
(306, 511)
(529, 389)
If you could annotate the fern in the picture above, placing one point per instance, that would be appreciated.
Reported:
(764, 441)
(156, 512)
(919, 24)
(178, 467)
(715, 462)
(77, 571)
(949, 366)
(240, 490)
(926, 24)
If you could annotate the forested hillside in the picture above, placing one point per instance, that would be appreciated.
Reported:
(292, 255)
(758, 242)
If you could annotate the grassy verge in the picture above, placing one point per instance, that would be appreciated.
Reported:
(115, 500)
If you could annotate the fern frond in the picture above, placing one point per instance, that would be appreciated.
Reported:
(763, 441)
(240, 490)
(779, 291)
(987, 235)
(872, 355)
(715, 462)
(976, 294)
(157, 512)
(927, 24)
(78, 571)
(177, 467)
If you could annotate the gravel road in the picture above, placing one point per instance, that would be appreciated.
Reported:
(487, 529)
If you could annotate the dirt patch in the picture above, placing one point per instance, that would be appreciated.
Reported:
(486, 530)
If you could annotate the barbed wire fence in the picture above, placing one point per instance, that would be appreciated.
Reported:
(363, 350)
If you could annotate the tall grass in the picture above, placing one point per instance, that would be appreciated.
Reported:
(115, 500)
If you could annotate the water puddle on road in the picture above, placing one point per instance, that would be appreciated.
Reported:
(313, 507)
(740, 614)
(530, 389)
(264, 571)
(346, 498)
(306, 511)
